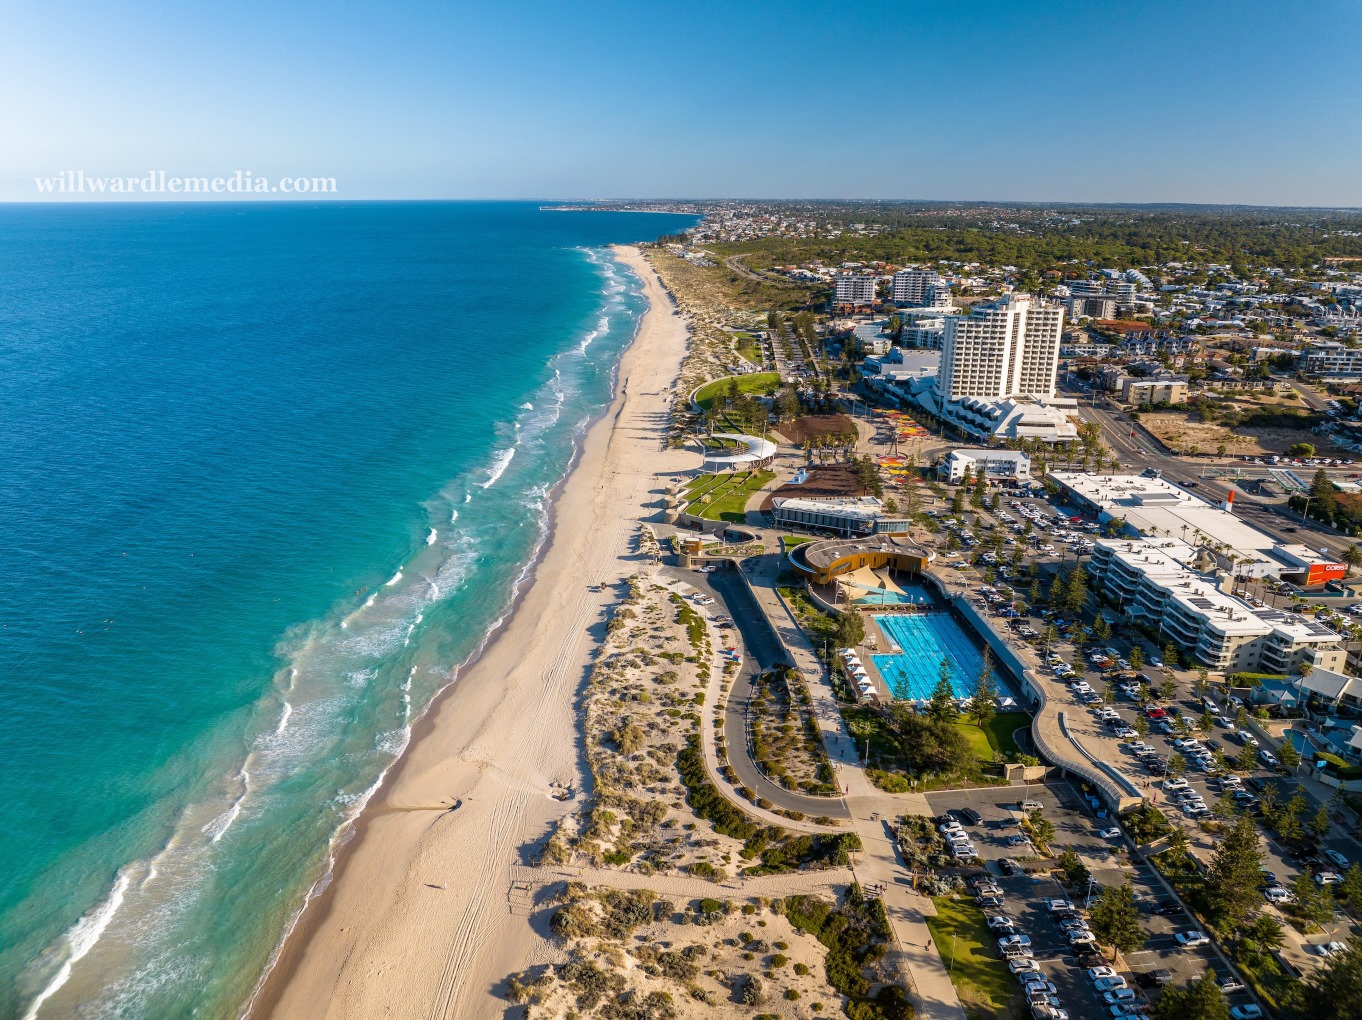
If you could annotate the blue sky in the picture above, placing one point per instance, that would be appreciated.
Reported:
(1062, 101)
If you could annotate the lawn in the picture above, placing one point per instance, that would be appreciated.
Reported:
(728, 494)
(981, 979)
(749, 347)
(997, 737)
(755, 382)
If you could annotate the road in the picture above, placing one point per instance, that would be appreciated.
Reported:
(761, 651)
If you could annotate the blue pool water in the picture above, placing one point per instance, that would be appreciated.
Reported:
(926, 639)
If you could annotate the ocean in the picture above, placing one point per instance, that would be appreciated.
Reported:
(268, 476)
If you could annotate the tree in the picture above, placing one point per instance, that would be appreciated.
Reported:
(1232, 878)
(1288, 755)
(1319, 824)
(1246, 759)
(1352, 556)
(1267, 799)
(1198, 1000)
(1322, 496)
(942, 706)
(1170, 655)
(1076, 592)
(1101, 630)
(1076, 873)
(1177, 765)
(982, 706)
(1168, 687)
(1116, 918)
(1289, 817)
(1207, 721)
(1041, 828)
(1137, 658)
(1333, 992)
(849, 630)
(1141, 725)
(1351, 889)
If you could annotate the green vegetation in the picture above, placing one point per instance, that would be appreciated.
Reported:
(981, 979)
(1197, 1000)
(749, 348)
(856, 933)
(939, 752)
(726, 495)
(1116, 918)
(755, 382)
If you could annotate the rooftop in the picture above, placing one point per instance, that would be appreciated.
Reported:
(821, 555)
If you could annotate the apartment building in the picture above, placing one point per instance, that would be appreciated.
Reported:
(917, 287)
(1151, 581)
(1006, 348)
(854, 290)
(995, 465)
(1331, 358)
(1158, 390)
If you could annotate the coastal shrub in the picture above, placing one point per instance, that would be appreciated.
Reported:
(705, 800)
(855, 932)
(589, 982)
(801, 969)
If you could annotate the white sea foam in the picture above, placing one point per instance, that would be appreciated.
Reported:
(527, 406)
(395, 578)
(468, 496)
(586, 341)
(82, 937)
(453, 516)
(499, 466)
(430, 539)
(218, 827)
(283, 719)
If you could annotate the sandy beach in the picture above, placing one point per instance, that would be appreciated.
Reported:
(417, 921)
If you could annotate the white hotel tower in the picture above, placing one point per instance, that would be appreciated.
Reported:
(1007, 348)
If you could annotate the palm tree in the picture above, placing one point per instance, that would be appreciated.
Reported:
(1352, 556)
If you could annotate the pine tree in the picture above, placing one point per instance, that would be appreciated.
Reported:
(1076, 593)
(1322, 497)
(982, 707)
(1246, 759)
(942, 706)
(1232, 878)
(1116, 918)
(1319, 824)
(1198, 1000)
(1288, 755)
(1351, 889)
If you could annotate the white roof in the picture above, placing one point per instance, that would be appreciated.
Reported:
(755, 449)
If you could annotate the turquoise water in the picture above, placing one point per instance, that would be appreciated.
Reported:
(926, 639)
(268, 474)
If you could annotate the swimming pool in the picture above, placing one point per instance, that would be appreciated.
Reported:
(925, 639)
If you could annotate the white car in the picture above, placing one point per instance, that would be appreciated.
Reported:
(1014, 940)
(1278, 895)
(1119, 995)
(1023, 966)
(1329, 949)
(1268, 758)
(1106, 984)
(1175, 784)
(1191, 939)
(1105, 972)
(1113, 833)
(1328, 878)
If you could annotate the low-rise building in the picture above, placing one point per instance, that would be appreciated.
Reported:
(1330, 358)
(837, 515)
(997, 465)
(1156, 581)
(1169, 389)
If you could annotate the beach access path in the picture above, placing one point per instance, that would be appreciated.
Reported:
(415, 921)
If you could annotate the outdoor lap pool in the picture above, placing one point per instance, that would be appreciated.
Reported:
(924, 640)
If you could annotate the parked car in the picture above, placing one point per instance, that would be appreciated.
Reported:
(1267, 758)
(1020, 939)
(1103, 972)
(1250, 1011)
(1191, 939)
(1119, 995)
(1106, 984)
(1335, 857)
(1023, 966)
(1329, 949)
(1112, 833)
(1230, 985)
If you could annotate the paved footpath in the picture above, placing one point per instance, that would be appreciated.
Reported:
(873, 813)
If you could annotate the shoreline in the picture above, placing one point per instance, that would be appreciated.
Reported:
(433, 809)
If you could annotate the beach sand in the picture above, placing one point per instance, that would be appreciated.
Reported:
(418, 920)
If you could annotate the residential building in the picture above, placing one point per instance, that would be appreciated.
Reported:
(1156, 581)
(1170, 389)
(1331, 358)
(917, 287)
(853, 290)
(1006, 348)
(996, 465)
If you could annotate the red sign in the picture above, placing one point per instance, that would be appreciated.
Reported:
(1319, 573)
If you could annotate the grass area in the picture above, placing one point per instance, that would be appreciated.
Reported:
(749, 348)
(755, 382)
(1000, 730)
(727, 494)
(981, 979)
(788, 542)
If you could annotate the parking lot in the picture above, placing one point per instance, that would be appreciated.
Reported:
(1025, 897)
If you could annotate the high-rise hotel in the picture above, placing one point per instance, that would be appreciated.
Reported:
(1007, 348)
